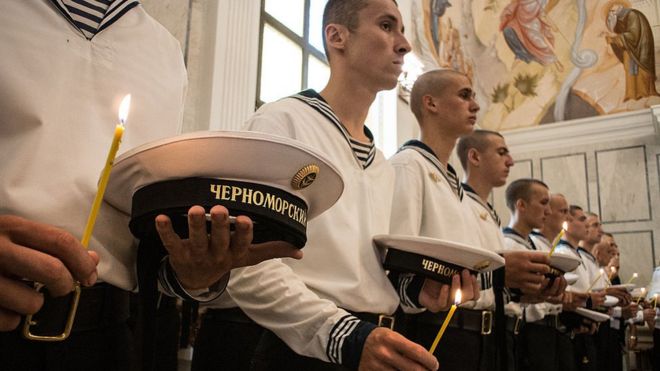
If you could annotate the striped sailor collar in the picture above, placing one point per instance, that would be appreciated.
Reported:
(364, 152)
(514, 235)
(448, 173)
(486, 205)
(116, 9)
(582, 250)
(540, 236)
(573, 249)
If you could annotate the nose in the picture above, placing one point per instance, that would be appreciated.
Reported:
(509, 161)
(402, 45)
(474, 107)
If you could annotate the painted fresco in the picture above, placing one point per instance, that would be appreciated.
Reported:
(542, 61)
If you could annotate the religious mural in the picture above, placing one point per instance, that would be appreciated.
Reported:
(542, 61)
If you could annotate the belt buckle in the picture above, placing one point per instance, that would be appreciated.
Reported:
(486, 322)
(516, 327)
(386, 321)
(29, 322)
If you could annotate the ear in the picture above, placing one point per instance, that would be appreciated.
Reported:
(474, 157)
(520, 204)
(336, 36)
(429, 104)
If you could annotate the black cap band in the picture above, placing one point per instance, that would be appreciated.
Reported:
(277, 215)
(437, 270)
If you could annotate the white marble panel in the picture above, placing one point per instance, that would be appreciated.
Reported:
(567, 175)
(636, 255)
(623, 184)
(521, 169)
(173, 14)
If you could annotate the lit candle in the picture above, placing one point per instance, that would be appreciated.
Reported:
(457, 300)
(555, 242)
(602, 273)
(634, 277)
(655, 301)
(641, 295)
(105, 175)
(612, 273)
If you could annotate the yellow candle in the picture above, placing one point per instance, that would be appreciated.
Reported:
(457, 301)
(641, 295)
(105, 174)
(602, 272)
(612, 273)
(634, 277)
(655, 301)
(555, 242)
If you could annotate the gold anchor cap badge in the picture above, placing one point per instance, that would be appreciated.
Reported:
(305, 176)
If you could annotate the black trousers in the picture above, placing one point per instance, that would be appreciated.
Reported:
(226, 341)
(544, 348)
(272, 354)
(656, 349)
(460, 349)
(101, 338)
(108, 349)
(585, 352)
(609, 348)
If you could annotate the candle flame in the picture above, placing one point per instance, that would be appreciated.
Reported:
(613, 269)
(643, 290)
(564, 225)
(457, 298)
(602, 271)
(123, 108)
(635, 275)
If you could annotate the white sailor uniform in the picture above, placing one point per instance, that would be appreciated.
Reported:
(429, 201)
(306, 303)
(59, 97)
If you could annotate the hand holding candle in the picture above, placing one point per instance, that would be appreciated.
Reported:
(641, 295)
(612, 273)
(602, 273)
(457, 300)
(555, 242)
(105, 175)
(89, 227)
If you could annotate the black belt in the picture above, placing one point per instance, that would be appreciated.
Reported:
(100, 305)
(480, 321)
(235, 314)
(550, 320)
(513, 324)
(392, 321)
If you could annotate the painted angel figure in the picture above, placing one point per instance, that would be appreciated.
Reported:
(528, 32)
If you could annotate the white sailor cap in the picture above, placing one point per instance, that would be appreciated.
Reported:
(592, 314)
(434, 258)
(278, 182)
(561, 263)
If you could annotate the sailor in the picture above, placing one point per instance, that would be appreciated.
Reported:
(429, 201)
(323, 311)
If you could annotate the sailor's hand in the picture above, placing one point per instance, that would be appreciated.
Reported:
(204, 258)
(436, 296)
(525, 270)
(385, 349)
(41, 253)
